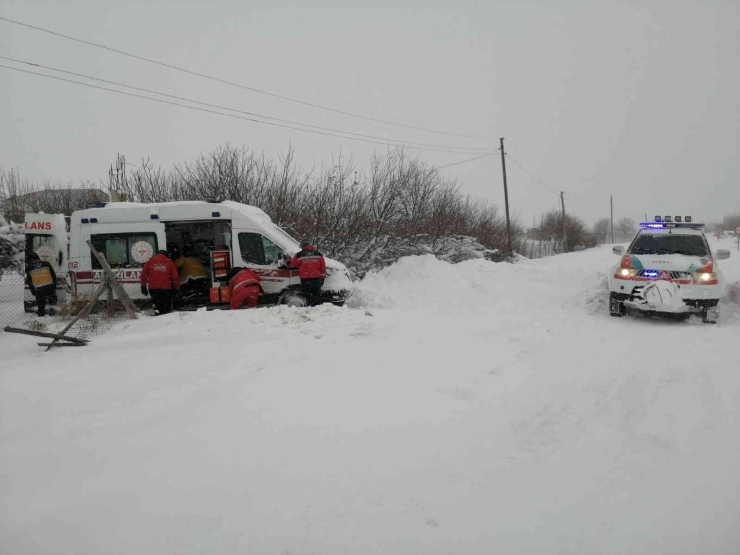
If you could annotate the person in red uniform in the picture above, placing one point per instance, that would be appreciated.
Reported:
(311, 268)
(162, 279)
(244, 286)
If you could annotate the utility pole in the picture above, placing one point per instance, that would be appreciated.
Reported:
(116, 179)
(506, 199)
(565, 227)
(611, 201)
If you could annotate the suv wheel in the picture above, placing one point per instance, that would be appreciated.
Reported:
(293, 298)
(616, 305)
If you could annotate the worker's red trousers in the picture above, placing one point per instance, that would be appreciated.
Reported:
(248, 293)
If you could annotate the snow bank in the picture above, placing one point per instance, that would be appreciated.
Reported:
(373, 255)
(426, 282)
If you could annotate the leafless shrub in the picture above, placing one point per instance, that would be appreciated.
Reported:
(349, 213)
(551, 230)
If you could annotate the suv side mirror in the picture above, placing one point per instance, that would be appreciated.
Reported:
(618, 250)
(722, 254)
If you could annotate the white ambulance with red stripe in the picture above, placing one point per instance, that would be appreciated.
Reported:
(668, 268)
(47, 235)
(221, 234)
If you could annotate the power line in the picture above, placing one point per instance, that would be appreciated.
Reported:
(231, 83)
(468, 160)
(218, 113)
(399, 142)
(530, 174)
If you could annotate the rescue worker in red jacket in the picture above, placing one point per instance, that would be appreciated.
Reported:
(244, 287)
(311, 268)
(42, 282)
(162, 279)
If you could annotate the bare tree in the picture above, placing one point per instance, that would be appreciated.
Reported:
(602, 228)
(730, 222)
(398, 204)
(625, 227)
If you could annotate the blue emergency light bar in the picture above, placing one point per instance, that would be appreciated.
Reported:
(666, 225)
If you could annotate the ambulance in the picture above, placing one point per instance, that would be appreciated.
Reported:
(222, 234)
(47, 235)
(668, 268)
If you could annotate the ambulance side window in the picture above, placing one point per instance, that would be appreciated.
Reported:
(252, 249)
(272, 251)
(258, 249)
(124, 250)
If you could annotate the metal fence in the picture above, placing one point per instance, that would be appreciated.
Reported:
(607, 240)
(11, 299)
(101, 319)
(534, 248)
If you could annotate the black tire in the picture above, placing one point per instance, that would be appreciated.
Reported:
(293, 298)
(616, 305)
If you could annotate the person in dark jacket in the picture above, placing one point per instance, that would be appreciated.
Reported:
(42, 282)
(311, 268)
(162, 279)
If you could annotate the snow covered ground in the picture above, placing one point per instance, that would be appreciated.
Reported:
(470, 408)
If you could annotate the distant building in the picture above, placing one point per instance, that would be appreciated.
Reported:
(51, 201)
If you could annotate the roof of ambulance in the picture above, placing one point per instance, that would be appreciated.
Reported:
(245, 209)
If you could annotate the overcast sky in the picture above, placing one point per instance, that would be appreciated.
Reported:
(633, 99)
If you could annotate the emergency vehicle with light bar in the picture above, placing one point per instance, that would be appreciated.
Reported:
(668, 268)
(222, 234)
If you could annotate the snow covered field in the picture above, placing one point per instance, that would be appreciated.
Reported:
(470, 408)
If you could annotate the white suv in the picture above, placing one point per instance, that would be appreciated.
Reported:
(668, 268)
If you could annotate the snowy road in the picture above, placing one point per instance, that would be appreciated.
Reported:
(476, 408)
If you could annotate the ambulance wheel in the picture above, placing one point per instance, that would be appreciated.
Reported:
(293, 298)
(616, 305)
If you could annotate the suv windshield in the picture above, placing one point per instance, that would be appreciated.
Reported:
(690, 245)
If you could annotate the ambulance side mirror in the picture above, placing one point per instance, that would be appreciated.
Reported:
(723, 254)
(618, 250)
(281, 263)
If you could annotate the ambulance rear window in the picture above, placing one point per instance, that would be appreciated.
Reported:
(45, 245)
